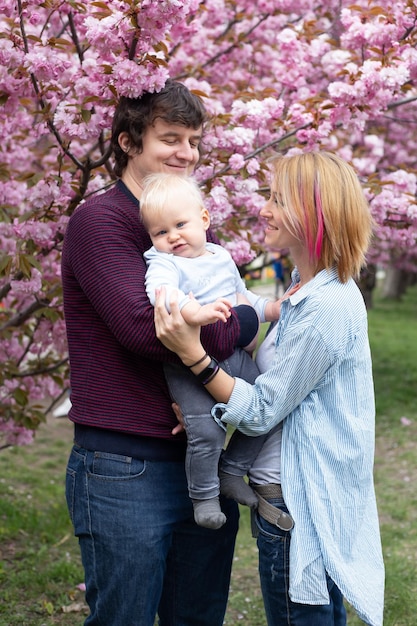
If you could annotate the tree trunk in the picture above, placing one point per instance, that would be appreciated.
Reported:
(395, 283)
(366, 284)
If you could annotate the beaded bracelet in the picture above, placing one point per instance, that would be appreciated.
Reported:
(209, 372)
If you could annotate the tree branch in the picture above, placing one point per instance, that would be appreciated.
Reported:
(74, 36)
(44, 370)
(22, 316)
(270, 144)
(41, 101)
(400, 103)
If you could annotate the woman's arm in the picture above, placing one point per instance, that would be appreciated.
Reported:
(302, 361)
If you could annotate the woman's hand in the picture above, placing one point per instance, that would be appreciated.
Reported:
(178, 336)
(174, 332)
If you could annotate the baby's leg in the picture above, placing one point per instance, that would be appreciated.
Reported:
(205, 440)
(241, 451)
(263, 468)
(235, 463)
(266, 468)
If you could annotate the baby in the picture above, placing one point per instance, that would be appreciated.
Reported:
(208, 284)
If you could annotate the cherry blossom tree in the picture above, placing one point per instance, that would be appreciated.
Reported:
(275, 76)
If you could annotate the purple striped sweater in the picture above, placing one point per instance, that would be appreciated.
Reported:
(117, 381)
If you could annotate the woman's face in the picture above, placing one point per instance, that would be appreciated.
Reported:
(277, 235)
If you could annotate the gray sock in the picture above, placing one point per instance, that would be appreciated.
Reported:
(208, 513)
(237, 488)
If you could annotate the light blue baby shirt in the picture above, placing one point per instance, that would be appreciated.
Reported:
(208, 277)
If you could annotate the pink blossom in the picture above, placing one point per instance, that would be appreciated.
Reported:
(275, 75)
(45, 63)
(132, 79)
(15, 435)
(27, 286)
(219, 205)
(241, 251)
(236, 161)
(252, 166)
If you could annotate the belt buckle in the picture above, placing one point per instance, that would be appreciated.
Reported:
(284, 521)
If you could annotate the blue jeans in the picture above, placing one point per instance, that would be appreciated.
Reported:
(274, 561)
(142, 553)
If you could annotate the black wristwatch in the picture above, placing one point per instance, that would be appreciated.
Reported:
(208, 372)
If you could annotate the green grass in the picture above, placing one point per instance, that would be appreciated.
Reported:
(393, 335)
(39, 560)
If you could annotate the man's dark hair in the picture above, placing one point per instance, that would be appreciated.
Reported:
(174, 104)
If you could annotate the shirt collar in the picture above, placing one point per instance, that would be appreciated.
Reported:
(121, 185)
(322, 278)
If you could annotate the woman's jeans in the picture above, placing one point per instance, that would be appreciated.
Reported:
(274, 551)
(141, 550)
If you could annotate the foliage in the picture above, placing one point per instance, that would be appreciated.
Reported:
(275, 76)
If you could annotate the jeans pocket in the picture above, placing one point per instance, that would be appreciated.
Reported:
(75, 489)
(114, 467)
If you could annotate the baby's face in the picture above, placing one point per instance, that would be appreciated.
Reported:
(180, 228)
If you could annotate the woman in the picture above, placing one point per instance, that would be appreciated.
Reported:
(319, 385)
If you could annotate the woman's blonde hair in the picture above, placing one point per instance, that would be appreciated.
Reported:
(157, 189)
(324, 207)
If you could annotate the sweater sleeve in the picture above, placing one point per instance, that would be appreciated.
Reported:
(102, 244)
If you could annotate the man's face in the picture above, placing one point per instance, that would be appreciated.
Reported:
(166, 148)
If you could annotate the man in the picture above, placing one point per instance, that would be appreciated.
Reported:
(126, 486)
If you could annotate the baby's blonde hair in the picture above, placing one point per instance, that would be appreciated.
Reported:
(157, 189)
(325, 208)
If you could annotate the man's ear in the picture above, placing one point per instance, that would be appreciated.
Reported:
(124, 141)
(205, 216)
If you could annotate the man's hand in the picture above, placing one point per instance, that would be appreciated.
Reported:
(180, 428)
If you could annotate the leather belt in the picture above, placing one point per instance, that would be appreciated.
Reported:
(271, 490)
(268, 511)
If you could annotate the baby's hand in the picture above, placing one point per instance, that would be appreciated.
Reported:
(276, 306)
(202, 315)
(215, 311)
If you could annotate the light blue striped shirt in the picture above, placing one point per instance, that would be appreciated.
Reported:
(321, 385)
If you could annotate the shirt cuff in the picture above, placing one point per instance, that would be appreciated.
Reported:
(231, 413)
